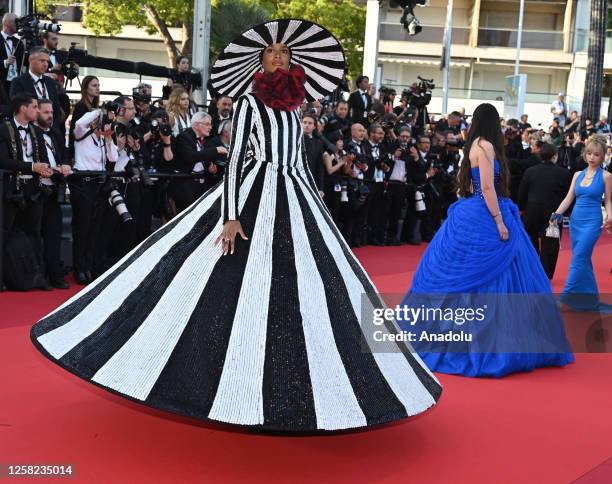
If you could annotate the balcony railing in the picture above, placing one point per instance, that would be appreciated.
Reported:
(431, 33)
(532, 39)
(582, 40)
(484, 94)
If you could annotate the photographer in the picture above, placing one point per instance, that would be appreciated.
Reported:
(569, 154)
(336, 166)
(315, 151)
(52, 192)
(11, 55)
(418, 171)
(94, 150)
(142, 120)
(37, 83)
(22, 150)
(124, 235)
(338, 122)
(419, 98)
(194, 154)
(222, 140)
(376, 156)
(357, 190)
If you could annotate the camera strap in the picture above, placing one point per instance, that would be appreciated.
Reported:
(86, 135)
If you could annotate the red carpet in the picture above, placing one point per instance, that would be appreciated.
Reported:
(549, 426)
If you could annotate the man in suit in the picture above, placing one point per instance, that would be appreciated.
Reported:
(37, 83)
(376, 154)
(315, 151)
(194, 154)
(11, 53)
(360, 102)
(222, 112)
(52, 213)
(22, 149)
(542, 189)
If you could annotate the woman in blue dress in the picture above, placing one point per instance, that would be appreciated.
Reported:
(481, 259)
(587, 188)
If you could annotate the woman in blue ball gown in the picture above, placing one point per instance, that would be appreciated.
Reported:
(587, 188)
(482, 258)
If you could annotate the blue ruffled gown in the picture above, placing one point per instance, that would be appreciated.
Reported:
(467, 265)
(581, 292)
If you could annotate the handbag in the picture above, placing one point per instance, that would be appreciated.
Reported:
(552, 231)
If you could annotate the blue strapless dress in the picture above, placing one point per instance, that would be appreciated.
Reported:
(581, 292)
(467, 264)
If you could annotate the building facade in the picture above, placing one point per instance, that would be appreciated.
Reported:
(484, 36)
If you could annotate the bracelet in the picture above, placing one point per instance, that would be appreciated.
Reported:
(169, 145)
(497, 214)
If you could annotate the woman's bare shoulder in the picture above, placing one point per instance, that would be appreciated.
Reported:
(480, 149)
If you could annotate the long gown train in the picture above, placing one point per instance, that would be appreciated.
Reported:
(466, 265)
(269, 337)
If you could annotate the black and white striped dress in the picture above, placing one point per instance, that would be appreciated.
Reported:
(269, 337)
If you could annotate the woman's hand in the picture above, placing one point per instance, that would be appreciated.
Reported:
(503, 231)
(228, 236)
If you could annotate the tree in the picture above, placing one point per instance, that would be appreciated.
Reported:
(229, 18)
(591, 101)
(343, 18)
(156, 16)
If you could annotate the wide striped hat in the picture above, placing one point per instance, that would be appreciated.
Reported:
(313, 47)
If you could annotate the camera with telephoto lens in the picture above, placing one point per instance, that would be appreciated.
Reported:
(351, 149)
(136, 171)
(32, 26)
(106, 108)
(160, 125)
(116, 200)
(69, 68)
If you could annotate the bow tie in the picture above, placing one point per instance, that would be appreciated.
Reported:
(12, 39)
(21, 128)
(38, 81)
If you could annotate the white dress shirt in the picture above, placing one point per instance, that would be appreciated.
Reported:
(10, 50)
(51, 155)
(399, 171)
(39, 88)
(92, 153)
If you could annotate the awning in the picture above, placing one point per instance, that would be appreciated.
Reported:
(421, 61)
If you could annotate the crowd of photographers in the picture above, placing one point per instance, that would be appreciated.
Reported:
(384, 167)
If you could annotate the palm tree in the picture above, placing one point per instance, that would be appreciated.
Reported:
(229, 18)
(591, 101)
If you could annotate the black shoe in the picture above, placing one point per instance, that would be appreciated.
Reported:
(81, 278)
(59, 283)
(45, 286)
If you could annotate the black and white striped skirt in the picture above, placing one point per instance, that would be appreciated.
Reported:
(269, 337)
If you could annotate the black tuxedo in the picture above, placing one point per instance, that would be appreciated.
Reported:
(27, 217)
(376, 203)
(6, 152)
(25, 83)
(357, 109)
(18, 53)
(187, 191)
(542, 189)
(314, 156)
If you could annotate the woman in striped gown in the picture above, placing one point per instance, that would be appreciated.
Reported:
(266, 330)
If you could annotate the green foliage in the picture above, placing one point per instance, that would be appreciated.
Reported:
(229, 18)
(343, 18)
